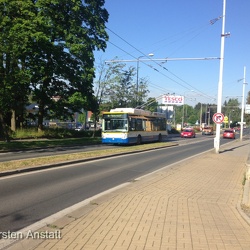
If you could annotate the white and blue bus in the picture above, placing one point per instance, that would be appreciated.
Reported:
(133, 126)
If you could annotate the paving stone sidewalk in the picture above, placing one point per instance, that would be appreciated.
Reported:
(193, 204)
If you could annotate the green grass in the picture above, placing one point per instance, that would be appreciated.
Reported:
(32, 139)
(40, 161)
(44, 143)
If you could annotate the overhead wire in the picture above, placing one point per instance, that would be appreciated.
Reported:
(164, 68)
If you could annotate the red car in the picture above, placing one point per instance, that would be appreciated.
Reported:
(188, 132)
(229, 133)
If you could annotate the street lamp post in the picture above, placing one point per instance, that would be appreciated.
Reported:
(183, 107)
(201, 117)
(220, 83)
(242, 105)
(229, 119)
(137, 76)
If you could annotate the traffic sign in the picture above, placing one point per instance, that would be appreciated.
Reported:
(225, 119)
(218, 118)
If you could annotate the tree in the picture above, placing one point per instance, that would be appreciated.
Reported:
(107, 76)
(151, 104)
(247, 116)
(70, 32)
(116, 87)
(142, 91)
(232, 111)
(48, 47)
(17, 26)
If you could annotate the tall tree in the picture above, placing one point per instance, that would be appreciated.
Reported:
(47, 46)
(116, 87)
(107, 76)
(151, 104)
(17, 26)
(231, 109)
(70, 32)
(247, 116)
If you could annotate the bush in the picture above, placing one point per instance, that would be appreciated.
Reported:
(50, 133)
(27, 133)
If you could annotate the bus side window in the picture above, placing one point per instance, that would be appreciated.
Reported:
(144, 125)
(132, 124)
(153, 126)
(139, 124)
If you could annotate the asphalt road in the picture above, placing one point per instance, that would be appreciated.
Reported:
(33, 153)
(30, 197)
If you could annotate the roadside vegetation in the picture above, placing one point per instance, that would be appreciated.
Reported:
(32, 138)
(42, 161)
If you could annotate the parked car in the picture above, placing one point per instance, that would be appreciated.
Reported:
(79, 128)
(188, 133)
(208, 131)
(229, 133)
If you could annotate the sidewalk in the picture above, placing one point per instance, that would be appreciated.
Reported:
(194, 204)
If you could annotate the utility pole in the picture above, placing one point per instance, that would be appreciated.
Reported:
(242, 104)
(220, 83)
(201, 117)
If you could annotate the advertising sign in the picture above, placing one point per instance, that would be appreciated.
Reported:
(247, 109)
(173, 100)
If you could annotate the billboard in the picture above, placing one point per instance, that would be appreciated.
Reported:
(247, 109)
(173, 100)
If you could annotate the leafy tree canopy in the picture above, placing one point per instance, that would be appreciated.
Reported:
(47, 46)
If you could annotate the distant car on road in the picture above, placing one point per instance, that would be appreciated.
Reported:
(188, 133)
(208, 131)
(236, 128)
(229, 133)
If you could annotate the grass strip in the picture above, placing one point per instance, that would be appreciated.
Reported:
(41, 161)
(44, 143)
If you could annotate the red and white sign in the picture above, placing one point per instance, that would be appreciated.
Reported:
(218, 118)
(172, 100)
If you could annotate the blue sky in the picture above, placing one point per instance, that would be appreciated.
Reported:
(182, 29)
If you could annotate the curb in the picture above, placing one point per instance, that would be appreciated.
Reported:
(59, 164)
(246, 194)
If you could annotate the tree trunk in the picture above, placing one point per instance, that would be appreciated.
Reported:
(40, 118)
(13, 120)
(4, 129)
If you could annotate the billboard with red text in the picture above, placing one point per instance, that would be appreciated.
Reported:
(173, 100)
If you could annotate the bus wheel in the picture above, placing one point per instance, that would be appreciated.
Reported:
(138, 140)
(160, 138)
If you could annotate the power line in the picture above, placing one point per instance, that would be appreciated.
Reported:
(154, 60)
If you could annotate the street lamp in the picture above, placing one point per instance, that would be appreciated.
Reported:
(137, 75)
(183, 110)
(220, 83)
(230, 117)
(242, 104)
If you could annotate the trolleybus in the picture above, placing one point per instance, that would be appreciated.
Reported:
(133, 126)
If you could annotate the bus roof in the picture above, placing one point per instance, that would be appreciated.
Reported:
(137, 112)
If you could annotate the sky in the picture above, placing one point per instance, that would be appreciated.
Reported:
(188, 34)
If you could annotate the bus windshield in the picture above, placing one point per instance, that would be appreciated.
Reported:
(115, 122)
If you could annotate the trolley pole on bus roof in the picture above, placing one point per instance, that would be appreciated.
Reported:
(220, 83)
